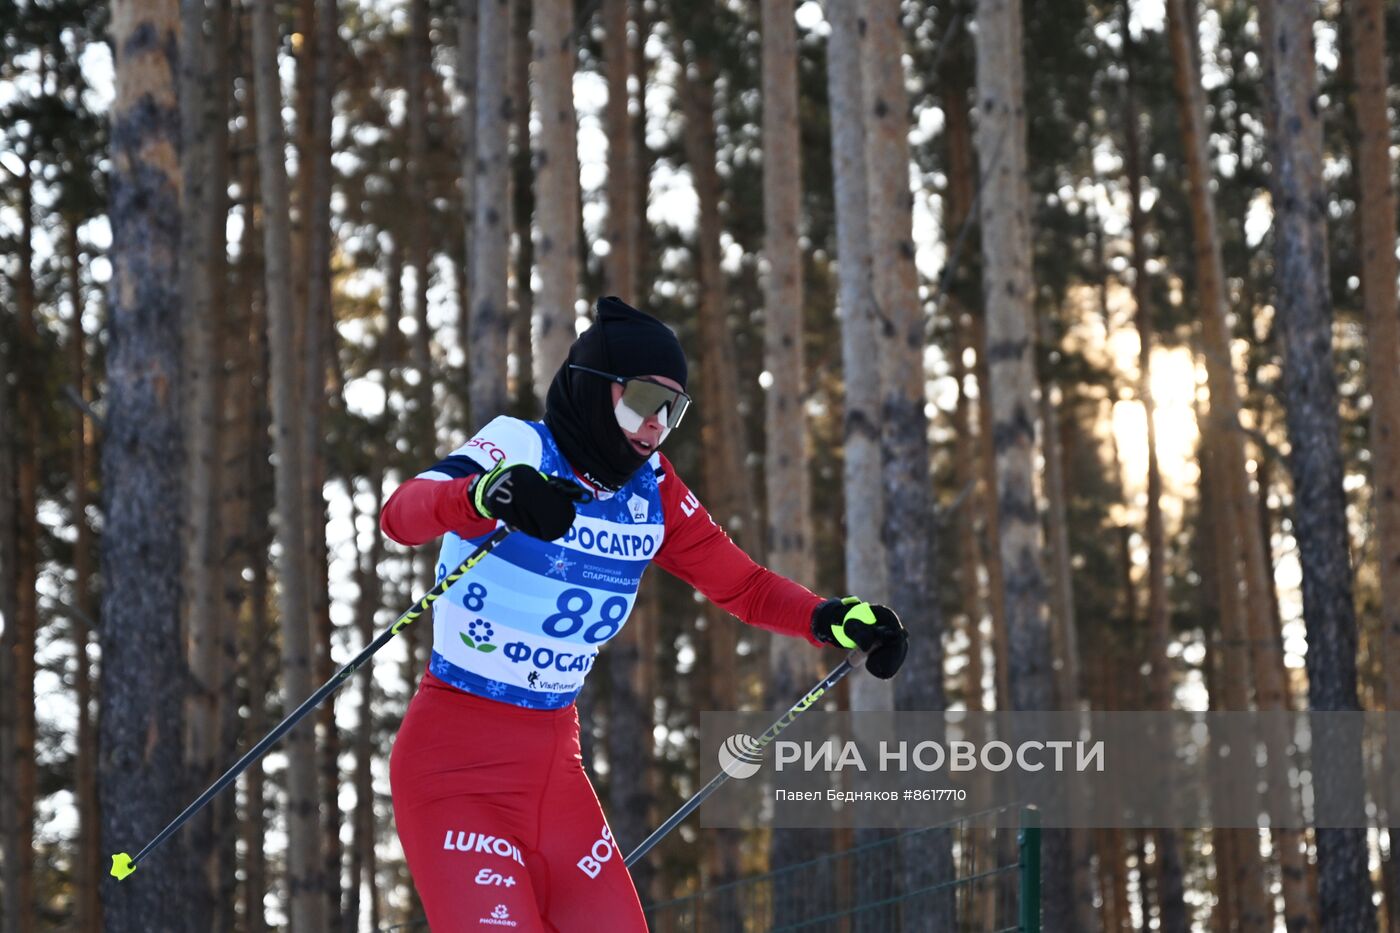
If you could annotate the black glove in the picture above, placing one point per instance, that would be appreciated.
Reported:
(874, 629)
(524, 498)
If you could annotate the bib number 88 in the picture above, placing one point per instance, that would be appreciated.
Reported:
(573, 604)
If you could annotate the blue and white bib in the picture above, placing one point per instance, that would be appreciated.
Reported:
(525, 624)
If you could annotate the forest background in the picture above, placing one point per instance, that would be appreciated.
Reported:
(1118, 343)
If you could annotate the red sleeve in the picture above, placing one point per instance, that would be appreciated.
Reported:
(423, 509)
(699, 552)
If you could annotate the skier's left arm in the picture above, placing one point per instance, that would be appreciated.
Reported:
(699, 552)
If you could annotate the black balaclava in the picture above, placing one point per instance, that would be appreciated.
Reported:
(578, 409)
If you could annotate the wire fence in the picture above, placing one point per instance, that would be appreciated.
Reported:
(962, 876)
(958, 877)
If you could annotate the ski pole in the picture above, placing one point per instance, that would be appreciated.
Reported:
(751, 753)
(124, 864)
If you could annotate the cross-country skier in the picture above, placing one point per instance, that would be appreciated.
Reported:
(497, 817)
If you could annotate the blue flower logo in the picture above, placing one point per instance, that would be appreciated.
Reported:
(478, 635)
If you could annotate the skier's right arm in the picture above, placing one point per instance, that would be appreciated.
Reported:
(435, 502)
(461, 494)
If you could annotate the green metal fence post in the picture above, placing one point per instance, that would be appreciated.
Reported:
(1029, 838)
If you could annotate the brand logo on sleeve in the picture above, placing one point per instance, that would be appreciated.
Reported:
(489, 448)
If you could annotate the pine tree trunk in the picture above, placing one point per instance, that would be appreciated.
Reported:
(9, 600)
(555, 59)
(318, 349)
(904, 426)
(204, 166)
(1244, 620)
(959, 202)
(467, 19)
(246, 486)
(721, 432)
(9, 642)
(789, 536)
(789, 526)
(255, 884)
(1304, 307)
(142, 725)
(305, 865)
(1007, 287)
(489, 325)
(1167, 842)
(982, 904)
(235, 328)
(526, 403)
(632, 660)
(416, 64)
(723, 437)
(363, 863)
(1377, 228)
(866, 562)
(623, 217)
(645, 157)
(25, 769)
(909, 529)
(988, 543)
(1205, 557)
(88, 869)
(1065, 638)
(1064, 634)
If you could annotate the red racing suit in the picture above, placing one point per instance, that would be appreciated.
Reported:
(498, 820)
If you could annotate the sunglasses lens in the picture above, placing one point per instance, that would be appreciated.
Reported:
(641, 400)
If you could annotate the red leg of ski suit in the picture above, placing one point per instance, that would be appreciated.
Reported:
(500, 825)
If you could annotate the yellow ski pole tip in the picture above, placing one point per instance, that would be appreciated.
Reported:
(121, 866)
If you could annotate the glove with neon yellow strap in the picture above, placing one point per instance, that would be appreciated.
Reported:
(874, 629)
(524, 498)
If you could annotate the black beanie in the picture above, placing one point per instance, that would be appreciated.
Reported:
(578, 408)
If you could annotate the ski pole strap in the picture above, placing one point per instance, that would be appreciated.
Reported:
(854, 660)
